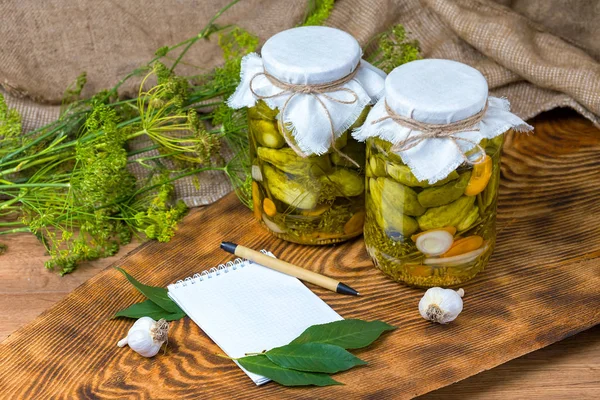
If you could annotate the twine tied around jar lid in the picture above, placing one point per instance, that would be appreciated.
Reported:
(436, 131)
(314, 90)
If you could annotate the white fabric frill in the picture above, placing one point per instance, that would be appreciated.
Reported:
(434, 158)
(308, 121)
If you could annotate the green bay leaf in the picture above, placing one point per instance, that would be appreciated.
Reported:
(157, 294)
(347, 333)
(314, 357)
(148, 309)
(288, 377)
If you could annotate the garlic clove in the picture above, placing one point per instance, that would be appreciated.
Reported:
(435, 242)
(146, 336)
(272, 225)
(456, 260)
(441, 305)
(256, 173)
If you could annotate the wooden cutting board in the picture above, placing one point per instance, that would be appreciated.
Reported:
(542, 285)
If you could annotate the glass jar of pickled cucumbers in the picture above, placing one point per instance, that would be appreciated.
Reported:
(437, 234)
(308, 171)
(317, 199)
(433, 168)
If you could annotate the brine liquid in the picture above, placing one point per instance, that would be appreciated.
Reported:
(399, 208)
(313, 200)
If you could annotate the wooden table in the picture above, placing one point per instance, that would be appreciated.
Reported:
(568, 368)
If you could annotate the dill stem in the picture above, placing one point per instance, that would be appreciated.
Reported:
(188, 173)
(15, 230)
(20, 168)
(14, 223)
(203, 33)
(33, 185)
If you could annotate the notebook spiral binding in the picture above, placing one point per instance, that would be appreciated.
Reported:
(211, 273)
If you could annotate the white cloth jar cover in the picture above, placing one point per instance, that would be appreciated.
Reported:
(435, 91)
(311, 55)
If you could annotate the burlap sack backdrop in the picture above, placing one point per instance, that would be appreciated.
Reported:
(540, 54)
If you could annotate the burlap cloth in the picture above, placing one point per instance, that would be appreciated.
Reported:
(540, 54)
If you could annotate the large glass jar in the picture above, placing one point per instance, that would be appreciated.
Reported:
(305, 95)
(431, 235)
(307, 200)
(433, 168)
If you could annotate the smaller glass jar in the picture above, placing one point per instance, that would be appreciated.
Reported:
(307, 169)
(437, 231)
(306, 200)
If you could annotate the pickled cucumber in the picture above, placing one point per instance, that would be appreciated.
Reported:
(469, 219)
(289, 191)
(402, 173)
(447, 193)
(267, 134)
(401, 199)
(377, 166)
(395, 224)
(287, 160)
(451, 214)
(262, 111)
(347, 182)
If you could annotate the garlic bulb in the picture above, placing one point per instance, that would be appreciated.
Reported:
(441, 305)
(146, 336)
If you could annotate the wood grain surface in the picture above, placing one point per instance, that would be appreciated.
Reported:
(27, 288)
(540, 287)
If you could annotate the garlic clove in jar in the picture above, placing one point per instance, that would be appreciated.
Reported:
(146, 336)
(434, 242)
(441, 305)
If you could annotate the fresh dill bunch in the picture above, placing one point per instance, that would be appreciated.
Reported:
(10, 128)
(176, 88)
(235, 44)
(10, 121)
(395, 49)
(208, 144)
(68, 182)
(101, 177)
(159, 217)
(73, 92)
(237, 170)
(318, 12)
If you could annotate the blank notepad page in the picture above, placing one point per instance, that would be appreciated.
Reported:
(250, 308)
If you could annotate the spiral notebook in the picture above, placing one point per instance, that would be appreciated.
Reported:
(245, 307)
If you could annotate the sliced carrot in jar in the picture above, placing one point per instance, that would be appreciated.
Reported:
(482, 172)
(464, 245)
(421, 270)
(355, 223)
(269, 207)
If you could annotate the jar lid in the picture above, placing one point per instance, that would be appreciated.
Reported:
(311, 55)
(434, 112)
(436, 91)
(317, 80)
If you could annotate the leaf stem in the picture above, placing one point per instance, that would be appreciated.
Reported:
(207, 30)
